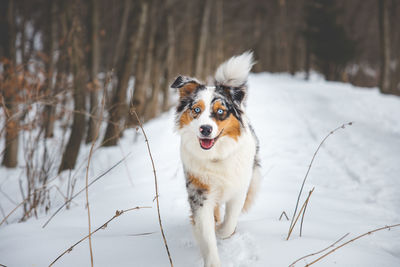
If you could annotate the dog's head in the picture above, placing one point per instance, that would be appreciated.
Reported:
(208, 115)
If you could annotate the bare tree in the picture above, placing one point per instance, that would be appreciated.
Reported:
(93, 67)
(385, 50)
(119, 104)
(51, 43)
(203, 37)
(79, 89)
(9, 90)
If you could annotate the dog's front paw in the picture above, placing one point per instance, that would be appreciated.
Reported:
(224, 231)
(212, 262)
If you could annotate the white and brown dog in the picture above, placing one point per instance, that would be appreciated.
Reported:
(219, 151)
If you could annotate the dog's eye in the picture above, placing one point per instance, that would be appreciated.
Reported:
(220, 111)
(197, 110)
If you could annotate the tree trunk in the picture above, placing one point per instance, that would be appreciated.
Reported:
(49, 109)
(170, 66)
(143, 72)
(307, 61)
(219, 31)
(155, 68)
(10, 158)
(119, 98)
(79, 73)
(121, 41)
(202, 43)
(384, 34)
(94, 61)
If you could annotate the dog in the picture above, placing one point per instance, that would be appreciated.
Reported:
(219, 151)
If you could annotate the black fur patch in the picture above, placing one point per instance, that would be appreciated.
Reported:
(196, 196)
(187, 101)
(230, 98)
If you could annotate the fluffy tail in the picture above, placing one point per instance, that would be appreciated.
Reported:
(253, 188)
(234, 71)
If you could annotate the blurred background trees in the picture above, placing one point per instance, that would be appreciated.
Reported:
(60, 58)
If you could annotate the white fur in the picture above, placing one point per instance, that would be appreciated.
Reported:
(204, 118)
(234, 71)
(227, 168)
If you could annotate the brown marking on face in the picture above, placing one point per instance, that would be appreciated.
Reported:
(197, 183)
(185, 118)
(190, 114)
(228, 123)
(188, 89)
(200, 105)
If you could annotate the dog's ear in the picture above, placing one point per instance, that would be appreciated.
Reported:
(236, 94)
(185, 85)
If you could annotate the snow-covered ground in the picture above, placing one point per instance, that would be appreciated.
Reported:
(356, 176)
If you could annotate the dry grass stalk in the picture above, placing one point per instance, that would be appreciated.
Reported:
(87, 178)
(302, 208)
(318, 252)
(284, 213)
(83, 189)
(26, 199)
(302, 219)
(354, 239)
(103, 226)
(155, 185)
(309, 168)
(69, 200)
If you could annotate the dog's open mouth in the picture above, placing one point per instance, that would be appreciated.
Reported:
(207, 143)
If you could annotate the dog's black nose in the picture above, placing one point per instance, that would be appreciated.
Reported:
(205, 130)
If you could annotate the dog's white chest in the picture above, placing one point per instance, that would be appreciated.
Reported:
(227, 174)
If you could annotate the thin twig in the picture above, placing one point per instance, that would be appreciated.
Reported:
(87, 178)
(309, 168)
(11, 212)
(2, 212)
(302, 207)
(126, 166)
(27, 198)
(318, 252)
(142, 234)
(103, 226)
(83, 189)
(302, 219)
(284, 213)
(354, 239)
(155, 185)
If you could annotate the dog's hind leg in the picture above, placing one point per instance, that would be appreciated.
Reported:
(253, 188)
(217, 215)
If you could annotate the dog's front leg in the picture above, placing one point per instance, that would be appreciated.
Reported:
(204, 231)
(232, 212)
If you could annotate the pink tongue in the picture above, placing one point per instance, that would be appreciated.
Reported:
(206, 143)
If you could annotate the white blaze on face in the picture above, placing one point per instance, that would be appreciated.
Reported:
(205, 117)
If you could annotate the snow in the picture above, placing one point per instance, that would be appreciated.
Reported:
(355, 175)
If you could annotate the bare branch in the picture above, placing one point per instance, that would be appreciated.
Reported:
(354, 239)
(87, 177)
(155, 185)
(318, 252)
(309, 168)
(302, 208)
(83, 189)
(103, 226)
(284, 213)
